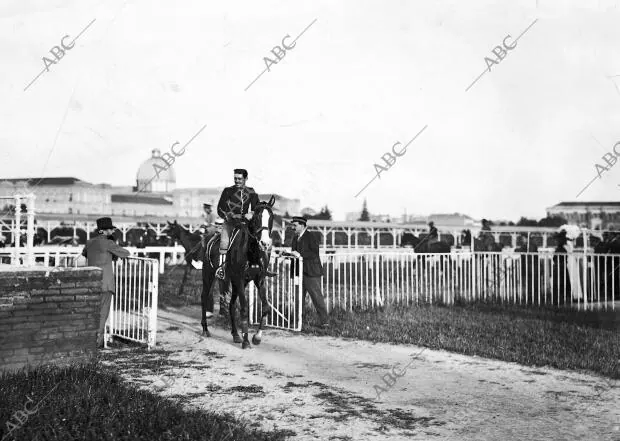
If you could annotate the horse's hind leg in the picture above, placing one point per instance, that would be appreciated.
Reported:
(224, 290)
(239, 287)
(187, 268)
(256, 338)
(231, 313)
(206, 298)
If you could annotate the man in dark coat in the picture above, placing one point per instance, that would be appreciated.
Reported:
(237, 202)
(306, 244)
(101, 251)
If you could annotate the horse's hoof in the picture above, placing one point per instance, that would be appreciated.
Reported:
(236, 338)
(245, 344)
(205, 332)
(255, 340)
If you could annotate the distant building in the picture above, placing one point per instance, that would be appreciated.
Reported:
(307, 211)
(454, 219)
(594, 215)
(353, 216)
(155, 194)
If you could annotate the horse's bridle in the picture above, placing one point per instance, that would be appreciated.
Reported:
(259, 229)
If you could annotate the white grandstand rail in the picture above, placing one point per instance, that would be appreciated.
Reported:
(352, 230)
(70, 255)
(176, 253)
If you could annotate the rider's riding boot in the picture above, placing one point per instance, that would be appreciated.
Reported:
(221, 270)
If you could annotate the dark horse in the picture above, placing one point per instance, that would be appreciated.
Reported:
(192, 244)
(248, 260)
(424, 246)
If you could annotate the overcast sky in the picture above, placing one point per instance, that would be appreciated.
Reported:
(364, 75)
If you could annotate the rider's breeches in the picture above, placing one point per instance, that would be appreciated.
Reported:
(225, 237)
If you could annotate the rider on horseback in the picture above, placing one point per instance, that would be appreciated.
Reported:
(433, 235)
(236, 203)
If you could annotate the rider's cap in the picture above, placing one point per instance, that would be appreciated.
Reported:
(299, 220)
(206, 204)
(219, 221)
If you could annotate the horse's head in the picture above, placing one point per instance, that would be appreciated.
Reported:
(172, 230)
(262, 223)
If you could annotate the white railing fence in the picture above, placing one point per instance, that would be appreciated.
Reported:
(67, 256)
(16, 229)
(133, 310)
(368, 280)
(283, 294)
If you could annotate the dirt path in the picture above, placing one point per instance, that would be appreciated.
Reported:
(323, 388)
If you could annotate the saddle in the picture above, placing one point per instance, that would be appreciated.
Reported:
(252, 266)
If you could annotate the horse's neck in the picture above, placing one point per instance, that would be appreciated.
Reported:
(186, 239)
(239, 249)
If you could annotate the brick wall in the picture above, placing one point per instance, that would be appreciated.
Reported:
(48, 315)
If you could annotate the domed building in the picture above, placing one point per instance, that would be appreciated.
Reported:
(155, 175)
(154, 196)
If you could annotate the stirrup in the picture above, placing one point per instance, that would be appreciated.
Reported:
(220, 273)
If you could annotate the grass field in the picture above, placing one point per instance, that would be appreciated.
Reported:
(563, 339)
(534, 336)
(89, 402)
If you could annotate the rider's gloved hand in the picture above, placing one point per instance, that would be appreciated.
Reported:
(249, 216)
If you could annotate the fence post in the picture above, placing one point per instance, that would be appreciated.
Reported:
(300, 294)
(377, 282)
(30, 229)
(152, 337)
(17, 231)
(473, 268)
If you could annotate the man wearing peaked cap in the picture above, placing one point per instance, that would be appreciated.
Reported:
(100, 251)
(306, 244)
(300, 220)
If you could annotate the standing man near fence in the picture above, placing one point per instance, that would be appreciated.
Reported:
(306, 244)
(101, 251)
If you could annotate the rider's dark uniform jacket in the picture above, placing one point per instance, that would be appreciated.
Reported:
(433, 234)
(235, 200)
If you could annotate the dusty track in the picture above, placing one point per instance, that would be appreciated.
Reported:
(322, 388)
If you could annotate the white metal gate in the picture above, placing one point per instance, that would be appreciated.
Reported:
(133, 310)
(284, 294)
